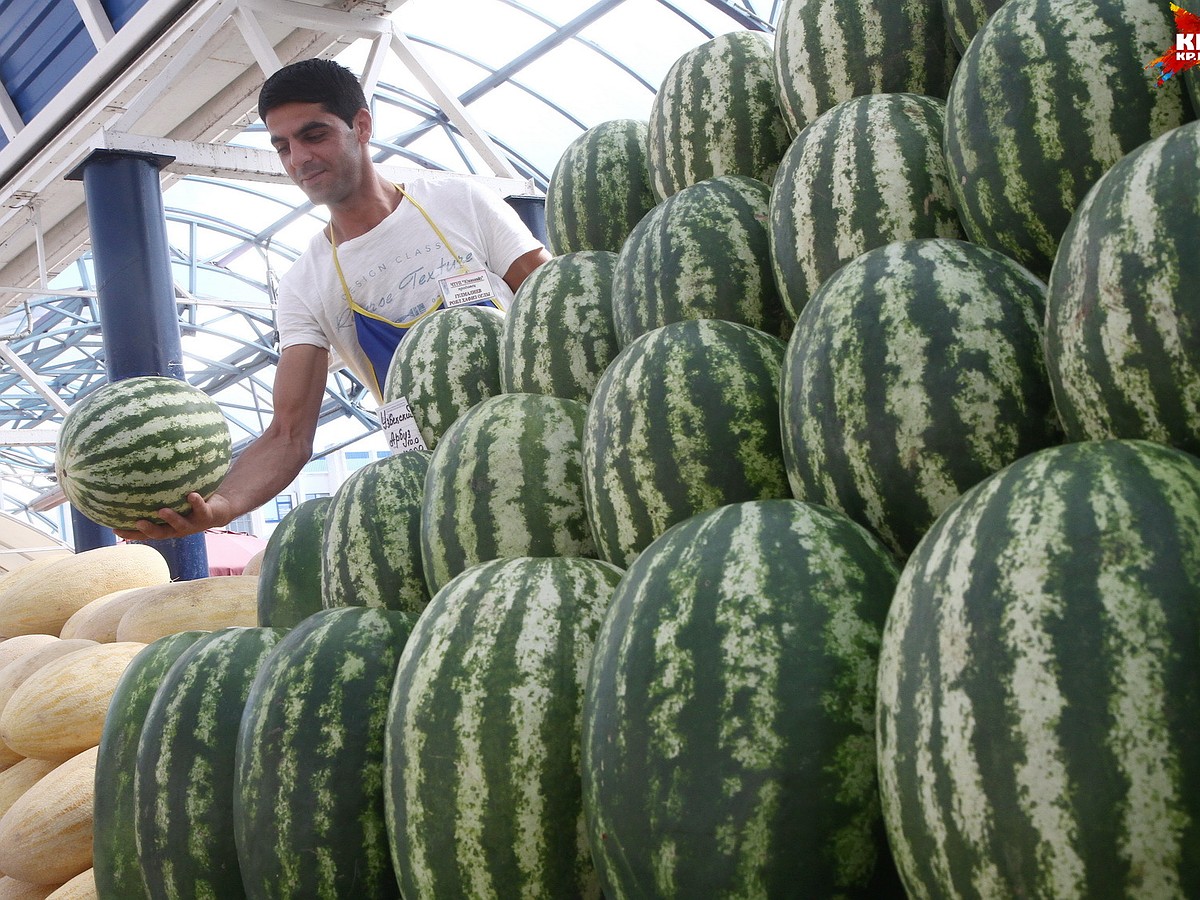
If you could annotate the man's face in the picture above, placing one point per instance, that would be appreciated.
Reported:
(320, 152)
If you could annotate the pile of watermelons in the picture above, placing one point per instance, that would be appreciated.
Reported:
(822, 520)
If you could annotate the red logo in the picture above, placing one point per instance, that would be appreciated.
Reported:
(1186, 52)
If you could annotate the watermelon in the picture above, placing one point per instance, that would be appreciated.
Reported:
(289, 581)
(1039, 683)
(482, 779)
(716, 113)
(965, 17)
(558, 335)
(135, 446)
(183, 786)
(685, 419)
(506, 480)
(1123, 323)
(308, 814)
(728, 737)
(599, 188)
(447, 362)
(914, 372)
(863, 174)
(371, 554)
(703, 253)
(116, 870)
(827, 51)
(1048, 96)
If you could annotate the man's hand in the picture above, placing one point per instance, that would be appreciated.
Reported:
(204, 515)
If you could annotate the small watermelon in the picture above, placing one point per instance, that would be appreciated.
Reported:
(703, 253)
(371, 547)
(827, 51)
(135, 446)
(685, 419)
(716, 113)
(448, 362)
(1039, 683)
(558, 335)
(728, 724)
(1123, 303)
(599, 189)
(506, 480)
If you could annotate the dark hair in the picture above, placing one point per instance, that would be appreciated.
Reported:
(314, 81)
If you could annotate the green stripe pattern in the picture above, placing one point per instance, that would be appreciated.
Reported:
(506, 481)
(447, 362)
(482, 780)
(914, 372)
(371, 554)
(135, 446)
(1049, 95)
(703, 253)
(728, 738)
(867, 172)
(308, 813)
(716, 113)
(1039, 683)
(1128, 365)
(685, 419)
(964, 18)
(184, 782)
(825, 53)
(115, 864)
(289, 582)
(599, 189)
(558, 335)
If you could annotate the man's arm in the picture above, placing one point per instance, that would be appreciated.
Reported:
(267, 465)
(524, 265)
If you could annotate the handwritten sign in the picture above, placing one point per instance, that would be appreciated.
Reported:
(400, 426)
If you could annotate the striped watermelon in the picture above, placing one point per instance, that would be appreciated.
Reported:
(505, 481)
(867, 172)
(482, 780)
(133, 447)
(371, 554)
(558, 335)
(914, 372)
(685, 419)
(728, 746)
(716, 113)
(308, 814)
(827, 51)
(448, 362)
(1128, 364)
(289, 581)
(964, 18)
(183, 787)
(599, 189)
(1048, 96)
(703, 253)
(1039, 683)
(117, 872)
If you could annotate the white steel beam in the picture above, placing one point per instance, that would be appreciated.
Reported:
(454, 110)
(10, 116)
(96, 21)
(29, 437)
(34, 379)
(257, 40)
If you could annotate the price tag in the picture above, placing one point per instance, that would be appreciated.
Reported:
(400, 427)
(466, 289)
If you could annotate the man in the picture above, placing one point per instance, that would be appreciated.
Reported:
(381, 263)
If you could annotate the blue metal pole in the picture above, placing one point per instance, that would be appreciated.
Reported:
(532, 210)
(139, 323)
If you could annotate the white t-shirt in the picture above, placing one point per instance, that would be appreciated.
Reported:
(393, 269)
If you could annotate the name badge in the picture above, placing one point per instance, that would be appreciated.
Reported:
(466, 289)
(400, 426)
